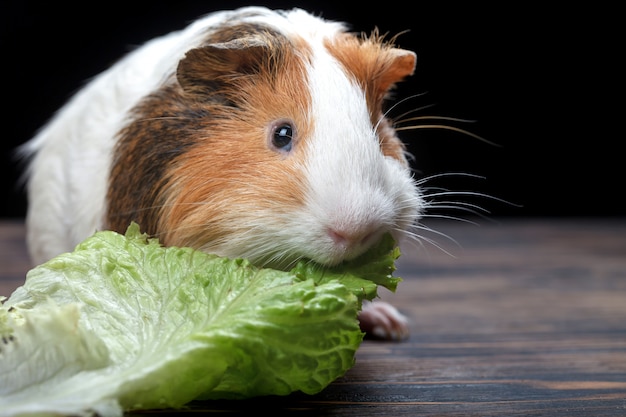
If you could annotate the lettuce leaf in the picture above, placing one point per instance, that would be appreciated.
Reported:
(123, 323)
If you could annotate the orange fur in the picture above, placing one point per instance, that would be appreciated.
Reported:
(231, 170)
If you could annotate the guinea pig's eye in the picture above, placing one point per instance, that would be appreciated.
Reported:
(282, 136)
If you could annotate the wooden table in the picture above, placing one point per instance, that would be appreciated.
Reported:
(522, 317)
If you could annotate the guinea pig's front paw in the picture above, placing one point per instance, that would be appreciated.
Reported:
(381, 320)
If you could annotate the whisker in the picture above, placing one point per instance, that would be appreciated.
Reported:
(440, 203)
(404, 100)
(452, 128)
(428, 229)
(458, 193)
(401, 118)
(421, 181)
(473, 194)
(429, 117)
(420, 238)
(459, 205)
(398, 103)
(449, 217)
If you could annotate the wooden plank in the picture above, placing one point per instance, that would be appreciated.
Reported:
(14, 261)
(525, 317)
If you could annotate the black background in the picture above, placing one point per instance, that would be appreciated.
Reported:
(541, 82)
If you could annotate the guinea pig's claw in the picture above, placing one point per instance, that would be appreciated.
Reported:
(381, 320)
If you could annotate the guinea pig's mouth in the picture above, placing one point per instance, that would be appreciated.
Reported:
(339, 247)
(327, 249)
(330, 255)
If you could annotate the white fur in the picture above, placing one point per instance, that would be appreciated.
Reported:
(353, 188)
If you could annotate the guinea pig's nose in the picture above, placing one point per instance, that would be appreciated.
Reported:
(348, 239)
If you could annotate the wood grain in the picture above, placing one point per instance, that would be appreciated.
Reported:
(518, 318)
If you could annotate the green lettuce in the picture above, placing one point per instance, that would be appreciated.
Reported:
(123, 323)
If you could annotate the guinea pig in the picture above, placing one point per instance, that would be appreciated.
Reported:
(250, 133)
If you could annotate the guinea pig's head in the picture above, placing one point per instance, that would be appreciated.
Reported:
(270, 143)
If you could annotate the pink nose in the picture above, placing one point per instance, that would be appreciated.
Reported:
(350, 238)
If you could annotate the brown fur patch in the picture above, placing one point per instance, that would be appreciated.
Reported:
(194, 162)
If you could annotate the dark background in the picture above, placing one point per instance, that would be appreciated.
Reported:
(540, 82)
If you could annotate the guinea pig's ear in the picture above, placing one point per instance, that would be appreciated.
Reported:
(399, 63)
(376, 65)
(204, 68)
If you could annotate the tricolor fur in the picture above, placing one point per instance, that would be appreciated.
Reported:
(177, 137)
